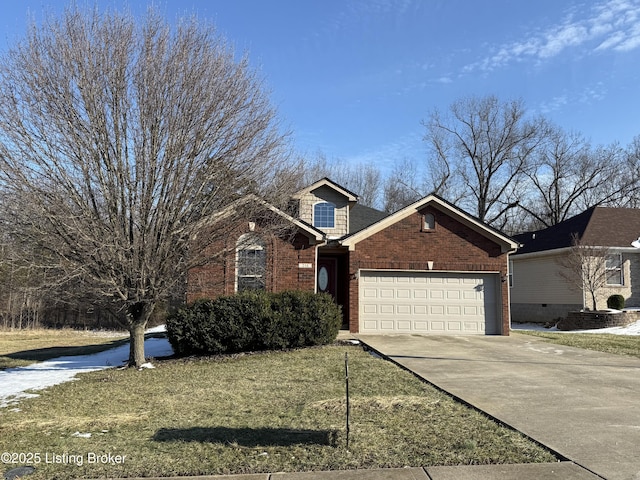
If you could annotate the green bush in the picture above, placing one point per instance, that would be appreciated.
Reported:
(615, 301)
(254, 320)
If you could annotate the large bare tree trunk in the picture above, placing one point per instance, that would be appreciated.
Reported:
(139, 315)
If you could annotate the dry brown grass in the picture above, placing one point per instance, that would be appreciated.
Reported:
(268, 412)
(22, 347)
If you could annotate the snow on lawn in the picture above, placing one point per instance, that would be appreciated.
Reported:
(16, 383)
(631, 329)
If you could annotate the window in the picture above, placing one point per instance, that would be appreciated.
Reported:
(428, 222)
(251, 263)
(614, 269)
(324, 215)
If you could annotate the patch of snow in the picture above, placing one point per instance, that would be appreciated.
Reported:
(146, 365)
(81, 435)
(18, 383)
(158, 329)
(631, 329)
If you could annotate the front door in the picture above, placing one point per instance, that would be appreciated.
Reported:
(328, 276)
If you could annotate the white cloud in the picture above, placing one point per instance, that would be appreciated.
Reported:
(609, 25)
(587, 95)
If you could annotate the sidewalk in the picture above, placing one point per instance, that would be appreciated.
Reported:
(531, 471)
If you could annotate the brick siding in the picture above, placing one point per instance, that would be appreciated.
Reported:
(284, 255)
(451, 246)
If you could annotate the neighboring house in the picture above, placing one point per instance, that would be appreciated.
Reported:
(539, 293)
(427, 268)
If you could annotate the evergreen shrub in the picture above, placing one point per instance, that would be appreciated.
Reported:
(254, 320)
(615, 301)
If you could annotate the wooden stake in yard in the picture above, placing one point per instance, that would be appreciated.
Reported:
(346, 379)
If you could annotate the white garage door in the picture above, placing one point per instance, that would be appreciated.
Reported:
(440, 303)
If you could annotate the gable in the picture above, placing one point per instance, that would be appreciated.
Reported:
(439, 207)
(449, 241)
(327, 184)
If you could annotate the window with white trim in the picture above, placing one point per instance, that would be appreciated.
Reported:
(324, 215)
(615, 272)
(251, 263)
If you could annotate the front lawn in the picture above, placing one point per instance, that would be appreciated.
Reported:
(601, 342)
(268, 412)
(22, 347)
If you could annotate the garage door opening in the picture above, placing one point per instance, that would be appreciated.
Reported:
(428, 302)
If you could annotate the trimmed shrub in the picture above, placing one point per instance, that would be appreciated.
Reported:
(254, 320)
(615, 301)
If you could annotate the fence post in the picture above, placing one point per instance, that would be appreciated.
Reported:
(346, 375)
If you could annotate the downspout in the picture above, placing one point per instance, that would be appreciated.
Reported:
(315, 266)
(509, 252)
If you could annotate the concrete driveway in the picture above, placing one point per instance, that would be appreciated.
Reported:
(583, 404)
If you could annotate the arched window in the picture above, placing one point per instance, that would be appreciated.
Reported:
(324, 215)
(251, 263)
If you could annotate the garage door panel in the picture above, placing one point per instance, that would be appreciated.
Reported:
(421, 326)
(471, 311)
(427, 302)
(453, 294)
(437, 326)
(387, 309)
(420, 293)
(388, 325)
(370, 292)
(386, 293)
(471, 295)
(453, 326)
(403, 309)
(370, 308)
(420, 309)
(453, 310)
(404, 324)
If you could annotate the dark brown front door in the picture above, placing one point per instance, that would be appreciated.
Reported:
(328, 276)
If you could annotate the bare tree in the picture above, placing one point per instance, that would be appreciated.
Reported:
(570, 176)
(585, 267)
(117, 139)
(480, 153)
(565, 170)
(403, 186)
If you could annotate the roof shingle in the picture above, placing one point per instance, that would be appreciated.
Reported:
(597, 226)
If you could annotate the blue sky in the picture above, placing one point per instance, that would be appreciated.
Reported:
(354, 78)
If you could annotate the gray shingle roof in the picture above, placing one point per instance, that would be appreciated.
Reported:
(597, 226)
(361, 217)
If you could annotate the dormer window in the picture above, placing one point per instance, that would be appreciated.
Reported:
(324, 215)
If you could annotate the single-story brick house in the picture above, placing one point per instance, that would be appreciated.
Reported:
(540, 293)
(427, 268)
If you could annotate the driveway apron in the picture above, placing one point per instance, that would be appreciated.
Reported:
(583, 404)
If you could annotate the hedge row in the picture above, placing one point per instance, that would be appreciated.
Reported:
(254, 320)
